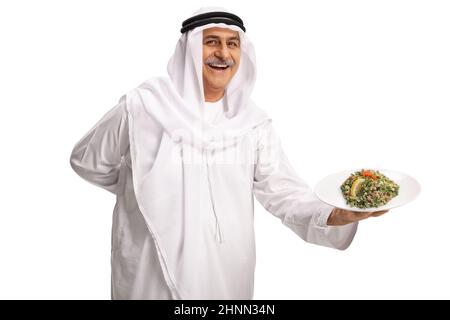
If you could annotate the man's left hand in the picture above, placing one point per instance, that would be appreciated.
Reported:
(340, 217)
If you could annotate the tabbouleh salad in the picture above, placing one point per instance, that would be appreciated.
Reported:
(368, 189)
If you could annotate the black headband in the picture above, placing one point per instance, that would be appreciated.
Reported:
(212, 17)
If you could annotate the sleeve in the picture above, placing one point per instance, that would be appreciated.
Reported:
(97, 156)
(281, 192)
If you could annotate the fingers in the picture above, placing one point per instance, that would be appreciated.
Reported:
(378, 213)
(342, 216)
(357, 215)
(363, 215)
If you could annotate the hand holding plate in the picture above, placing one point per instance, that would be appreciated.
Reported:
(340, 217)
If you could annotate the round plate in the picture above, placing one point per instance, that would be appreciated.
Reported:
(329, 190)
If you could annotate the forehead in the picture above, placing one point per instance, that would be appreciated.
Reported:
(220, 32)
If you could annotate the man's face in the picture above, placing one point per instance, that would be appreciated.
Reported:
(221, 56)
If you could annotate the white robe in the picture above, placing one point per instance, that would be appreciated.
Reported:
(102, 157)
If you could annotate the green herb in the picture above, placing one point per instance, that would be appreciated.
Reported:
(368, 189)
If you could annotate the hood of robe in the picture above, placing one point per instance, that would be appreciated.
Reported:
(163, 185)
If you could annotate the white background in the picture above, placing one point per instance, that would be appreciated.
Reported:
(348, 84)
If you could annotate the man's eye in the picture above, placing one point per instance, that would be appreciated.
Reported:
(212, 42)
(233, 44)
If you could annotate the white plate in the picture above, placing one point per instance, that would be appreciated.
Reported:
(329, 190)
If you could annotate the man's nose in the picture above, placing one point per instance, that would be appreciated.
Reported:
(223, 52)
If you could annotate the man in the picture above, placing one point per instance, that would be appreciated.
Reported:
(184, 156)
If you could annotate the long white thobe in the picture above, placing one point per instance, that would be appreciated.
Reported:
(102, 157)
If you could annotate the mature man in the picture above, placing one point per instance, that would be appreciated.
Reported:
(184, 156)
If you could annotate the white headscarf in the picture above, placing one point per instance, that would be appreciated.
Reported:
(163, 186)
(185, 68)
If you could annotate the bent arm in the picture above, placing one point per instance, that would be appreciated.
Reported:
(285, 195)
(97, 156)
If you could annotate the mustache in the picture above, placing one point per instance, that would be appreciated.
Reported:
(213, 60)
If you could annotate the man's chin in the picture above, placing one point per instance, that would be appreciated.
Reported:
(218, 85)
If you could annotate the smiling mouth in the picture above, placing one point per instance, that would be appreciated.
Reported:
(218, 67)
